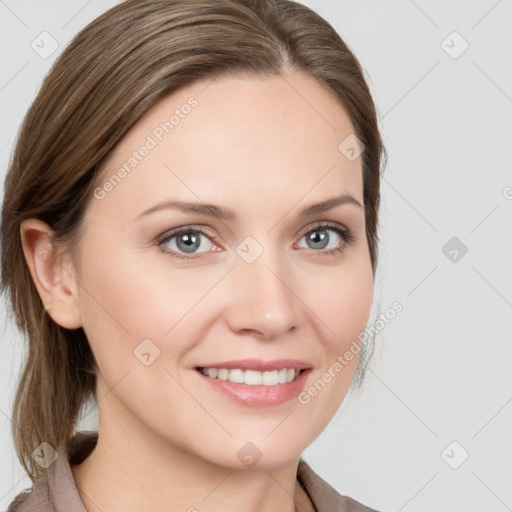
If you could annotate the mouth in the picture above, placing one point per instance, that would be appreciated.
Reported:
(255, 382)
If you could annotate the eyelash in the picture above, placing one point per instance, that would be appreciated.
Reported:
(346, 235)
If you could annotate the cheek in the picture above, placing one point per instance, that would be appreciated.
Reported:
(132, 296)
(343, 307)
(342, 303)
(342, 300)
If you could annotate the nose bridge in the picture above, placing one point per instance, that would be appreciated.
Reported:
(261, 297)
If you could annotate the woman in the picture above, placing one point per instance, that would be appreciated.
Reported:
(189, 236)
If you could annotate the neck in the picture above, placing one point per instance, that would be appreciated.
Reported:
(132, 469)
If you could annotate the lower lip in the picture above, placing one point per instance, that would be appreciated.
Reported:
(258, 396)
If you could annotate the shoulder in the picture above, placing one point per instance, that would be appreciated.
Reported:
(36, 499)
(323, 496)
(55, 489)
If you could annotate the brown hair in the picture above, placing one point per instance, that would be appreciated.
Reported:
(114, 71)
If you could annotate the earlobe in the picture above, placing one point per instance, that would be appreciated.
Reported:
(52, 273)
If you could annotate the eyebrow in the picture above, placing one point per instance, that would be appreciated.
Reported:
(227, 214)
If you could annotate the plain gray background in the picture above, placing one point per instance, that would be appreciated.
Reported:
(440, 388)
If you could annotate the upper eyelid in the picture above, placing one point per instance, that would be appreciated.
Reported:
(325, 224)
(183, 229)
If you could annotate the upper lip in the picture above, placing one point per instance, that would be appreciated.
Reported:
(259, 364)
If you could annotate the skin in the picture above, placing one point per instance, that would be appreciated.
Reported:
(167, 441)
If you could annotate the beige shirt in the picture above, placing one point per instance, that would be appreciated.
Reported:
(56, 491)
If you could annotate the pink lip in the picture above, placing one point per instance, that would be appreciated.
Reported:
(258, 396)
(259, 365)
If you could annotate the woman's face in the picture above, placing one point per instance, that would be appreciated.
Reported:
(202, 247)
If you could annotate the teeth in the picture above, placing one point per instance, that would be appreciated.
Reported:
(252, 377)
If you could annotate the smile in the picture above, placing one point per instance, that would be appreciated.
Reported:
(254, 382)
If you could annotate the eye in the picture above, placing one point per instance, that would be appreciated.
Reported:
(327, 239)
(186, 242)
(190, 242)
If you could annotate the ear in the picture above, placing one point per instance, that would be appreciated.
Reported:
(53, 273)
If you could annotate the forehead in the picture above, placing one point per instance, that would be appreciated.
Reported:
(253, 135)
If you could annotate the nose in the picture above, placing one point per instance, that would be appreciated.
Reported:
(262, 303)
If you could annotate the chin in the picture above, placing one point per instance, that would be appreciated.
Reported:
(257, 455)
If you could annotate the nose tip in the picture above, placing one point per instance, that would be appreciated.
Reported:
(262, 303)
(274, 324)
